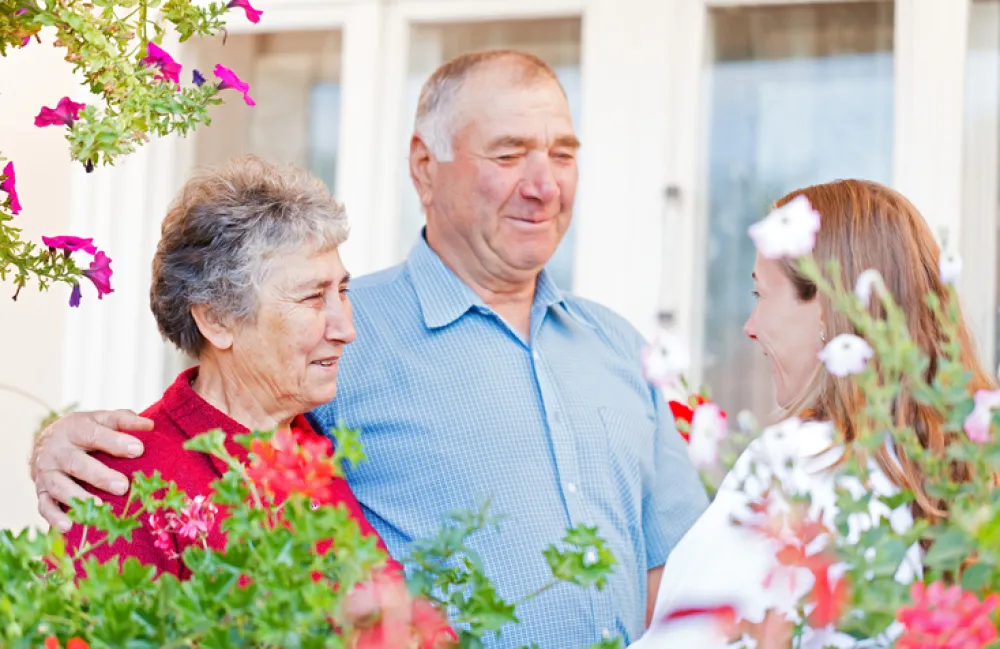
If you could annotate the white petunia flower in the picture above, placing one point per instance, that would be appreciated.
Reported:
(846, 354)
(708, 428)
(665, 359)
(866, 283)
(788, 231)
(950, 267)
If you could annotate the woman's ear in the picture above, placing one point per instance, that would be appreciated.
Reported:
(218, 333)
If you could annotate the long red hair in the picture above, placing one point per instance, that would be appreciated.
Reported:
(867, 225)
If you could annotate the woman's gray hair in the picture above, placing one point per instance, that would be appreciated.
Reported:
(220, 232)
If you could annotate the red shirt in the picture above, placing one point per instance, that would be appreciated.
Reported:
(177, 417)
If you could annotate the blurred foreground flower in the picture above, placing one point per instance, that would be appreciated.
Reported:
(788, 231)
(665, 359)
(385, 616)
(846, 354)
(947, 618)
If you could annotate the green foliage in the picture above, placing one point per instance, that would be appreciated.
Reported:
(105, 42)
(269, 586)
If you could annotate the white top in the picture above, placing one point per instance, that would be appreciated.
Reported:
(719, 563)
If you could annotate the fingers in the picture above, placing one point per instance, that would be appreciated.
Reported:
(61, 454)
(98, 431)
(122, 420)
(91, 471)
(52, 513)
(61, 488)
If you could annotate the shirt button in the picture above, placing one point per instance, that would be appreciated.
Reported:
(606, 633)
(571, 487)
(535, 355)
(556, 417)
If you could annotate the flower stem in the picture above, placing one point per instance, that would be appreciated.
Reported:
(142, 25)
(27, 395)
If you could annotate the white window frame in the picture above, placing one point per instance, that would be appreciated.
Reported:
(927, 146)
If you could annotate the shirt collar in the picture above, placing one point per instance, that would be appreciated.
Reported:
(444, 298)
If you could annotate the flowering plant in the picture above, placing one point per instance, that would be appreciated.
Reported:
(296, 571)
(852, 565)
(135, 92)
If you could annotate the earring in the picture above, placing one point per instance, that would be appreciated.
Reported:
(822, 336)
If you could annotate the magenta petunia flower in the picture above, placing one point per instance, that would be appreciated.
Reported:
(25, 39)
(8, 186)
(71, 244)
(253, 15)
(74, 297)
(156, 57)
(100, 274)
(230, 80)
(66, 112)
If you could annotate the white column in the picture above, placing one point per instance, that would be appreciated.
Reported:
(930, 52)
(625, 64)
(362, 87)
(981, 176)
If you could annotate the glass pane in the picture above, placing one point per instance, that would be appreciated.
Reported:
(555, 41)
(981, 177)
(295, 79)
(796, 95)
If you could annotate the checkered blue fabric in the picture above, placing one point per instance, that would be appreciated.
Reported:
(557, 430)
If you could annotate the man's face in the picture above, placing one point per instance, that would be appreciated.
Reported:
(506, 199)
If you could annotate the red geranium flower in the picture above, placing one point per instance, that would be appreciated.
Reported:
(946, 618)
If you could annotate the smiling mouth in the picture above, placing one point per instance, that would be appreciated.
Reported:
(326, 362)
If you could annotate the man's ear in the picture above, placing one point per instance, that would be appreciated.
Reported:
(423, 166)
(218, 333)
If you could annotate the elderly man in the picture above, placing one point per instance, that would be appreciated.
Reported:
(474, 376)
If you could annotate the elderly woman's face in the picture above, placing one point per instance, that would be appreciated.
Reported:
(304, 319)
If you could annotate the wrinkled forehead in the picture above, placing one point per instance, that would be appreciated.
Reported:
(504, 103)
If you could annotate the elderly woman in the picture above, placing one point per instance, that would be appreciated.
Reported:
(246, 278)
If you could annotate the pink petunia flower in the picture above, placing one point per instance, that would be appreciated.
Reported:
(100, 274)
(71, 244)
(156, 57)
(253, 15)
(230, 80)
(8, 186)
(66, 112)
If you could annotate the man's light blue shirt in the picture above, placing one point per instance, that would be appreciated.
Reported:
(454, 407)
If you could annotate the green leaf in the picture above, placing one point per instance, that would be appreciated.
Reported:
(949, 550)
(976, 577)
(213, 443)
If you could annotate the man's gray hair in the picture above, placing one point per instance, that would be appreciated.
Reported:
(437, 121)
(221, 233)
